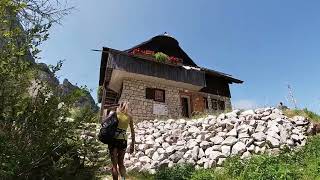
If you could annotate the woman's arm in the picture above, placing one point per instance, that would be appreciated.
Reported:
(132, 136)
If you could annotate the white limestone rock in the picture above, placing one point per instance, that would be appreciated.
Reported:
(226, 150)
(259, 136)
(170, 149)
(238, 148)
(150, 151)
(206, 142)
(245, 155)
(230, 140)
(145, 159)
(217, 140)
(201, 153)
(220, 161)
(193, 129)
(251, 148)
(208, 151)
(165, 145)
(233, 132)
(215, 155)
(216, 148)
(195, 152)
(247, 112)
(275, 143)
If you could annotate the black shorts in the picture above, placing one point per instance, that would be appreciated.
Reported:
(118, 143)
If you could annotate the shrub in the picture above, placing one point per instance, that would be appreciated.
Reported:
(38, 140)
(178, 172)
(210, 174)
(303, 163)
(140, 175)
(161, 57)
(304, 112)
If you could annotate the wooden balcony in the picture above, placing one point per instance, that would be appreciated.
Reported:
(124, 62)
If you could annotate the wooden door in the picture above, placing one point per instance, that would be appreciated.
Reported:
(185, 105)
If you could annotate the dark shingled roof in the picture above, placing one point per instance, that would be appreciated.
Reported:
(165, 44)
(170, 46)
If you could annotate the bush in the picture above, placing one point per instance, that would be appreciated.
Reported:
(304, 112)
(210, 174)
(178, 172)
(38, 139)
(161, 57)
(303, 163)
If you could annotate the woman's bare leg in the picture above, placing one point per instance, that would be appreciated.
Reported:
(114, 160)
(122, 168)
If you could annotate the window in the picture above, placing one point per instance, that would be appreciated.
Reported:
(221, 105)
(218, 105)
(205, 100)
(155, 94)
(214, 104)
(149, 93)
(159, 95)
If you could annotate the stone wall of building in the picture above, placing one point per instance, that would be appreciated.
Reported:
(226, 100)
(134, 91)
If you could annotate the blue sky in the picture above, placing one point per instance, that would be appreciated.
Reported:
(268, 44)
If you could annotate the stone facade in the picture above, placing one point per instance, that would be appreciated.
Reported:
(134, 91)
(226, 100)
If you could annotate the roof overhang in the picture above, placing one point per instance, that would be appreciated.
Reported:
(227, 77)
(105, 55)
(123, 61)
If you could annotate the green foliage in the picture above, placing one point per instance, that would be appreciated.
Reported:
(140, 175)
(178, 172)
(312, 115)
(161, 57)
(301, 164)
(38, 140)
(304, 112)
(209, 174)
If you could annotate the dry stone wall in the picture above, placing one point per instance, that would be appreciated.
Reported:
(207, 142)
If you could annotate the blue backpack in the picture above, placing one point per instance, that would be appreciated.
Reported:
(108, 128)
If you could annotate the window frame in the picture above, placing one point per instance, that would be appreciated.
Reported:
(206, 103)
(214, 104)
(221, 105)
(151, 93)
(163, 99)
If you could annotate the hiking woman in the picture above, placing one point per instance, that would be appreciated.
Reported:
(118, 147)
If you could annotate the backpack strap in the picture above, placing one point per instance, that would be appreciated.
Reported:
(122, 132)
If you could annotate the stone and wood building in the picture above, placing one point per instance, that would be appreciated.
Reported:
(161, 81)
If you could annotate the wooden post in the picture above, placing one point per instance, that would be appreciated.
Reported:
(103, 102)
(103, 94)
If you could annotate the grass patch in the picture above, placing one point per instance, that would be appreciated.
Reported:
(301, 164)
(312, 116)
(210, 174)
(178, 172)
(140, 175)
